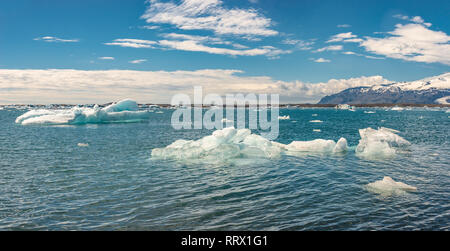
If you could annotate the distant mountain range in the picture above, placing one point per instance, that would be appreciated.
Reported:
(433, 90)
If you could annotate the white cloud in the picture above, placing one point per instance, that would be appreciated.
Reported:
(132, 43)
(322, 60)
(361, 55)
(195, 45)
(138, 61)
(341, 37)
(299, 44)
(330, 48)
(416, 19)
(344, 26)
(209, 15)
(55, 39)
(412, 42)
(185, 42)
(106, 58)
(150, 27)
(78, 86)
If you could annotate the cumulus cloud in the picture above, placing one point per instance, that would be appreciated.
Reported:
(412, 42)
(78, 86)
(56, 40)
(209, 15)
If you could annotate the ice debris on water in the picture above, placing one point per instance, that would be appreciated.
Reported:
(387, 187)
(123, 111)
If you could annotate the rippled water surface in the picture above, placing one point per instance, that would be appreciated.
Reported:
(49, 182)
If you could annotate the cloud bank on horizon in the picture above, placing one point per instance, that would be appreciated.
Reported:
(82, 87)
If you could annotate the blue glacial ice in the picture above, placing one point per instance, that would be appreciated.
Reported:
(121, 112)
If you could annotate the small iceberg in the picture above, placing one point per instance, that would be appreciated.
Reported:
(369, 112)
(316, 121)
(388, 187)
(381, 143)
(345, 107)
(83, 145)
(125, 111)
(397, 108)
(286, 117)
(317, 130)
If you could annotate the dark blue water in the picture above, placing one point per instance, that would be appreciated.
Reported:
(48, 182)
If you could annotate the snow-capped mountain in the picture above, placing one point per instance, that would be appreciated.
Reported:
(431, 90)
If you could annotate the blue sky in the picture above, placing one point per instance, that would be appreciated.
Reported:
(289, 41)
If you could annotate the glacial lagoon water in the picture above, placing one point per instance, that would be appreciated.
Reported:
(100, 175)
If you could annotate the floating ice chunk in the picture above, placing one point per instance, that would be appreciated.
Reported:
(397, 108)
(379, 143)
(123, 105)
(82, 144)
(342, 107)
(314, 115)
(159, 112)
(317, 130)
(231, 144)
(320, 146)
(316, 121)
(341, 146)
(123, 111)
(369, 112)
(388, 187)
(286, 117)
(222, 145)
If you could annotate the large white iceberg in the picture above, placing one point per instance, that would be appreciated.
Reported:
(381, 143)
(231, 143)
(120, 112)
(388, 187)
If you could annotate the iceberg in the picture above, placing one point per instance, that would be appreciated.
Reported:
(316, 121)
(230, 144)
(120, 112)
(397, 108)
(287, 117)
(388, 187)
(380, 143)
